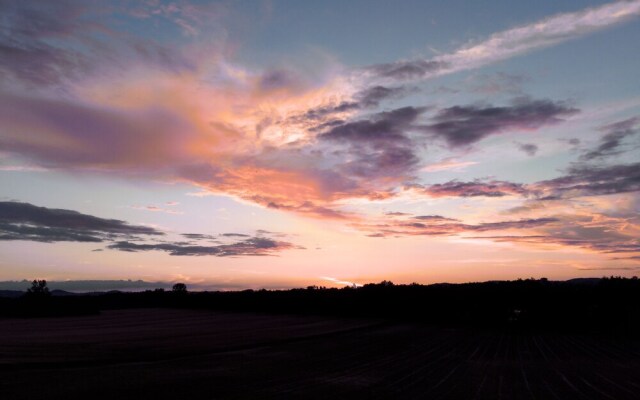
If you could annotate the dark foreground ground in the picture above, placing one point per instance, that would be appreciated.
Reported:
(196, 354)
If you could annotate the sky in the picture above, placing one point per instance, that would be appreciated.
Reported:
(277, 144)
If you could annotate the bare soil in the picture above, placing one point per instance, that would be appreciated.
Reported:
(190, 354)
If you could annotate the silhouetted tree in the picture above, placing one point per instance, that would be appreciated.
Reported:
(179, 288)
(38, 288)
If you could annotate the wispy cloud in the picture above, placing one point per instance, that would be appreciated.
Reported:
(153, 208)
(512, 42)
(529, 149)
(448, 164)
(612, 141)
(436, 225)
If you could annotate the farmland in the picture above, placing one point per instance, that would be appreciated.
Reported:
(203, 354)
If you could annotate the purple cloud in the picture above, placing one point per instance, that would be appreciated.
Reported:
(476, 188)
(462, 126)
(611, 142)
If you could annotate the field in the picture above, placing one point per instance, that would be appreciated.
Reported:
(191, 354)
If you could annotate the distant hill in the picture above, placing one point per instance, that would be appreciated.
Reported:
(11, 293)
(83, 286)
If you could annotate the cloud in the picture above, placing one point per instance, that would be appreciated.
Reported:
(579, 180)
(84, 135)
(462, 126)
(529, 149)
(509, 43)
(611, 142)
(190, 18)
(588, 180)
(500, 82)
(24, 221)
(199, 236)
(26, 56)
(476, 188)
(436, 225)
(448, 164)
(373, 96)
(255, 246)
(396, 214)
(632, 258)
(407, 70)
(434, 218)
(369, 97)
(43, 44)
(593, 231)
(382, 127)
(379, 147)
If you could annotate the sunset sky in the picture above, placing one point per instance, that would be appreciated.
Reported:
(249, 144)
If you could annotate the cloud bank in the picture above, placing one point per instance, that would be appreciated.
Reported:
(24, 221)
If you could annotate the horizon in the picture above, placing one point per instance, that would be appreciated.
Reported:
(266, 144)
(128, 285)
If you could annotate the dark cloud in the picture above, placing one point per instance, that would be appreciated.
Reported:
(589, 180)
(199, 236)
(406, 70)
(529, 149)
(476, 188)
(255, 246)
(611, 142)
(384, 126)
(464, 125)
(378, 147)
(24, 221)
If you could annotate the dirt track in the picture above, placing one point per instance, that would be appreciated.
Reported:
(182, 354)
